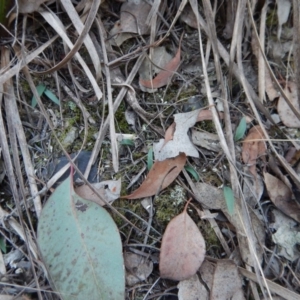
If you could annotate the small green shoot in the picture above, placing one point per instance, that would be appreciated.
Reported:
(193, 172)
(3, 245)
(42, 89)
(127, 142)
(150, 159)
(240, 130)
(229, 198)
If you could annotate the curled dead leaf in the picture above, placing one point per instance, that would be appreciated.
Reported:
(161, 175)
(182, 250)
(281, 196)
(165, 75)
(109, 190)
(253, 147)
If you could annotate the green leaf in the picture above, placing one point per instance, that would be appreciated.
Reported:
(40, 89)
(51, 96)
(127, 142)
(193, 172)
(150, 159)
(81, 247)
(229, 198)
(241, 129)
(3, 244)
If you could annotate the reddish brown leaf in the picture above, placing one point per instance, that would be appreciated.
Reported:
(161, 175)
(182, 250)
(253, 147)
(164, 76)
(281, 196)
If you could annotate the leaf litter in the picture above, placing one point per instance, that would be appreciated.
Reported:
(130, 37)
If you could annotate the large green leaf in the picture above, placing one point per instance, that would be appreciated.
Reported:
(81, 247)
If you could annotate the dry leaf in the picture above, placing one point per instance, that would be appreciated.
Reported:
(138, 268)
(109, 190)
(132, 21)
(227, 283)
(253, 147)
(192, 289)
(29, 6)
(287, 117)
(283, 12)
(287, 235)
(176, 137)
(282, 196)
(187, 16)
(213, 198)
(206, 140)
(161, 175)
(269, 86)
(180, 141)
(165, 75)
(182, 250)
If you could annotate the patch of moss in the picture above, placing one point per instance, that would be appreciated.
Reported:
(169, 204)
(209, 235)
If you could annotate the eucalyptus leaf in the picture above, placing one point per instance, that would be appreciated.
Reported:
(81, 247)
(229, 198)
(51, 96)
(193, 172)
(40, 89)
(241, 129)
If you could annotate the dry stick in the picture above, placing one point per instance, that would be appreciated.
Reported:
(89, 22)
(249, 93)
(291, 106)
(90, 47)
(236, 188)
(13, 110)
(213, 39)
(261, 62)
(117, 102)
(296, 45)
(7, 74)
(113, 139)
(237, 34)
(57, 25)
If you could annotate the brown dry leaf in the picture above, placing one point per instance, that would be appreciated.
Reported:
(165, 75)
(132, 21)
(227, 283)
(29, 6)
(287, 117)
(192, 289)
(187, 16)
(182, 249)
(109, 190)
(270, 87)
(161, 175)
(282, 196)
(138, 268)
(253, 147)
(213, 198)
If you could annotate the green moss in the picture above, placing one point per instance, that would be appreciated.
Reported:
(209, 235)
(169, 204)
